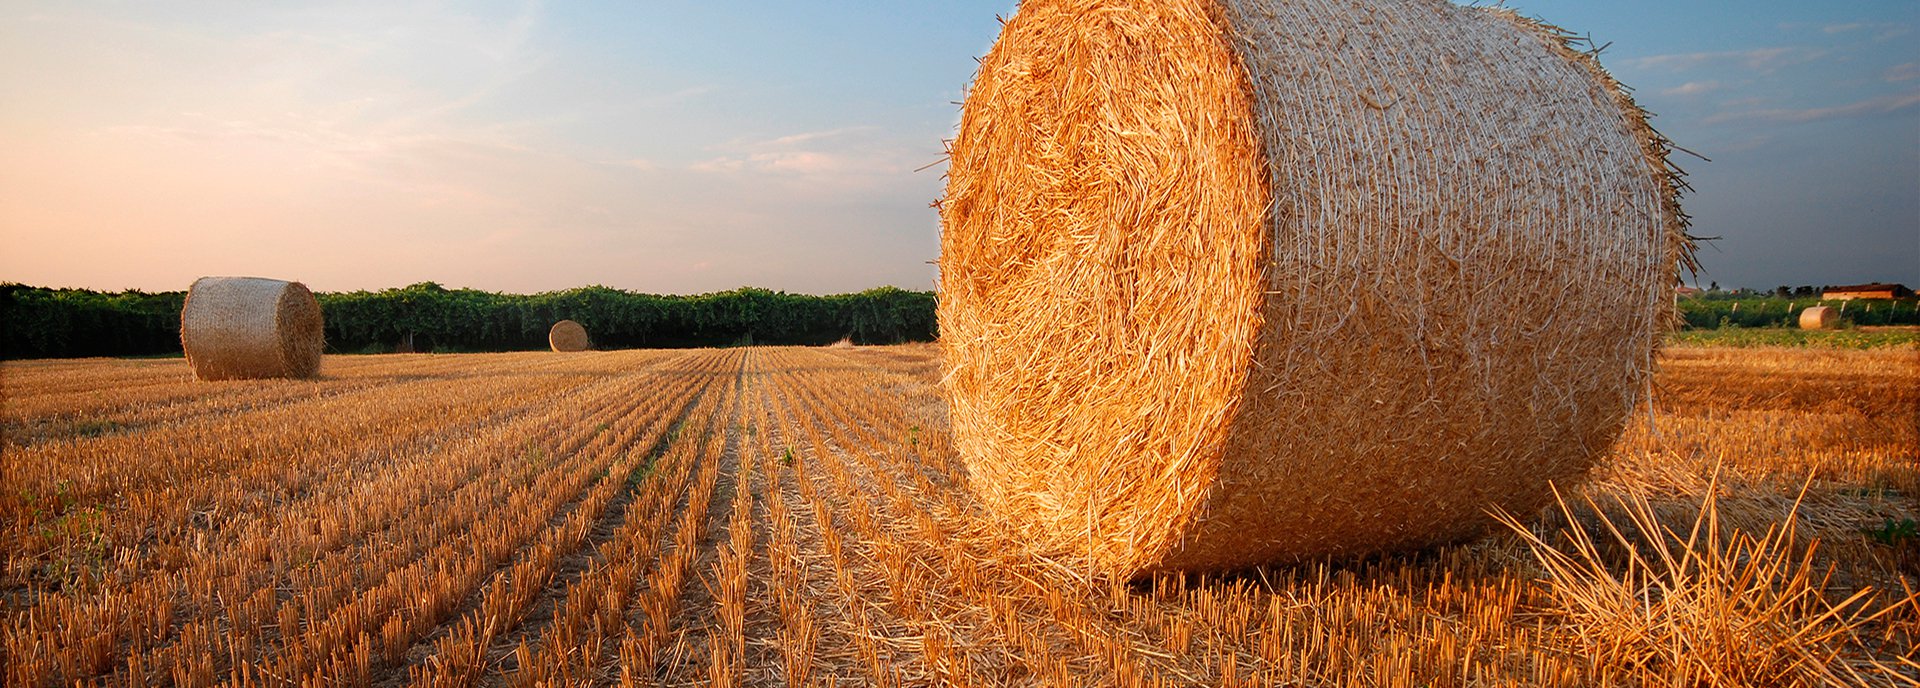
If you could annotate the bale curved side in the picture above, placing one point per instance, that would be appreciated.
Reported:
(234, 328)
(1392, 327)
(1819, 318)
(568, 335)
(1473, 258)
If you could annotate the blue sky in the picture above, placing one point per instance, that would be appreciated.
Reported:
(1810, 112)
(699, 146)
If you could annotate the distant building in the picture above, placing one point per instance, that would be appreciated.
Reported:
(1866, 291)
(1684, 291)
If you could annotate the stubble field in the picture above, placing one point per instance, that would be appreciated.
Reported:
(792, 516)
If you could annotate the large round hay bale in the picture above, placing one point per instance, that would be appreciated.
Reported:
(568, 335)
(1819, 318)
(236, 328)
(1226, 282)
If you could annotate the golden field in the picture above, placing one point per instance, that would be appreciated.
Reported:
(790, 516)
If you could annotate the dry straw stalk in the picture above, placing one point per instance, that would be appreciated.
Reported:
(1229, 282)
(568, 335)
(250, 327)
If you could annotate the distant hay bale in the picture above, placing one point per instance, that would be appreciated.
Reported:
(1819, 318)
(1239, 281)
(843, 343)
(568, 335)
(236, 328)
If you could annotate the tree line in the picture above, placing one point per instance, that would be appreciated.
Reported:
(53, 323)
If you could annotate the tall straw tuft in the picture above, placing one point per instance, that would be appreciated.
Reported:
(1704, 604)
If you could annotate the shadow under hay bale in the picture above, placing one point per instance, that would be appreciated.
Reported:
(235, 328)
(1234, 282)
(568, 335)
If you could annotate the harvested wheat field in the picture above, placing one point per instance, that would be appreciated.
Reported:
(798, 516)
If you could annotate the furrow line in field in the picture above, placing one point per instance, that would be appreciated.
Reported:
(377, 455)
(211, 577)
(581, 612)
(944, 645)
(651, 648)
(976, 567)
(422, 568)
(466, 649)
(698, 652)
(587, 623)
(205, 465)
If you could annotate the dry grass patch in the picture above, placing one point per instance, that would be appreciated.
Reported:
(1654, 596)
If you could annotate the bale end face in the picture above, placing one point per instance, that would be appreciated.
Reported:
(1103, 236)
(568, 335)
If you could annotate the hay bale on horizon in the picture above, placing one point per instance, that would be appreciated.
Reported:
(1227, 282)
(1819, 318)
(568, 335)
(236, 328)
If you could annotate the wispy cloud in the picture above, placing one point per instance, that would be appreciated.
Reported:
(804, 137)
(1880, 31)
(1758, 59)
(1873, 106)
(841, 157)
(794, 163)
(1692, 88)
(1905, 71)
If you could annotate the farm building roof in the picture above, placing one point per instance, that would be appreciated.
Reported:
(1897, 290)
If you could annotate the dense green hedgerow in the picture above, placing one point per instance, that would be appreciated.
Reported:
(1707, 313)
(48, 323)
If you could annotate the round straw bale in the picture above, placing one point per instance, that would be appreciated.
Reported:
(235, 328)
(1226, 282)
(1819, 318)
(568, 335)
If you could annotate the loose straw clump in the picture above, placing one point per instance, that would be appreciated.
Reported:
(1226, 282)
(568, 335)
(248, 327)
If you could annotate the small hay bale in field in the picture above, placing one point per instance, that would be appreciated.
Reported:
(1225, 282)
(235, 328)
(1819, 318)
(568, 335)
